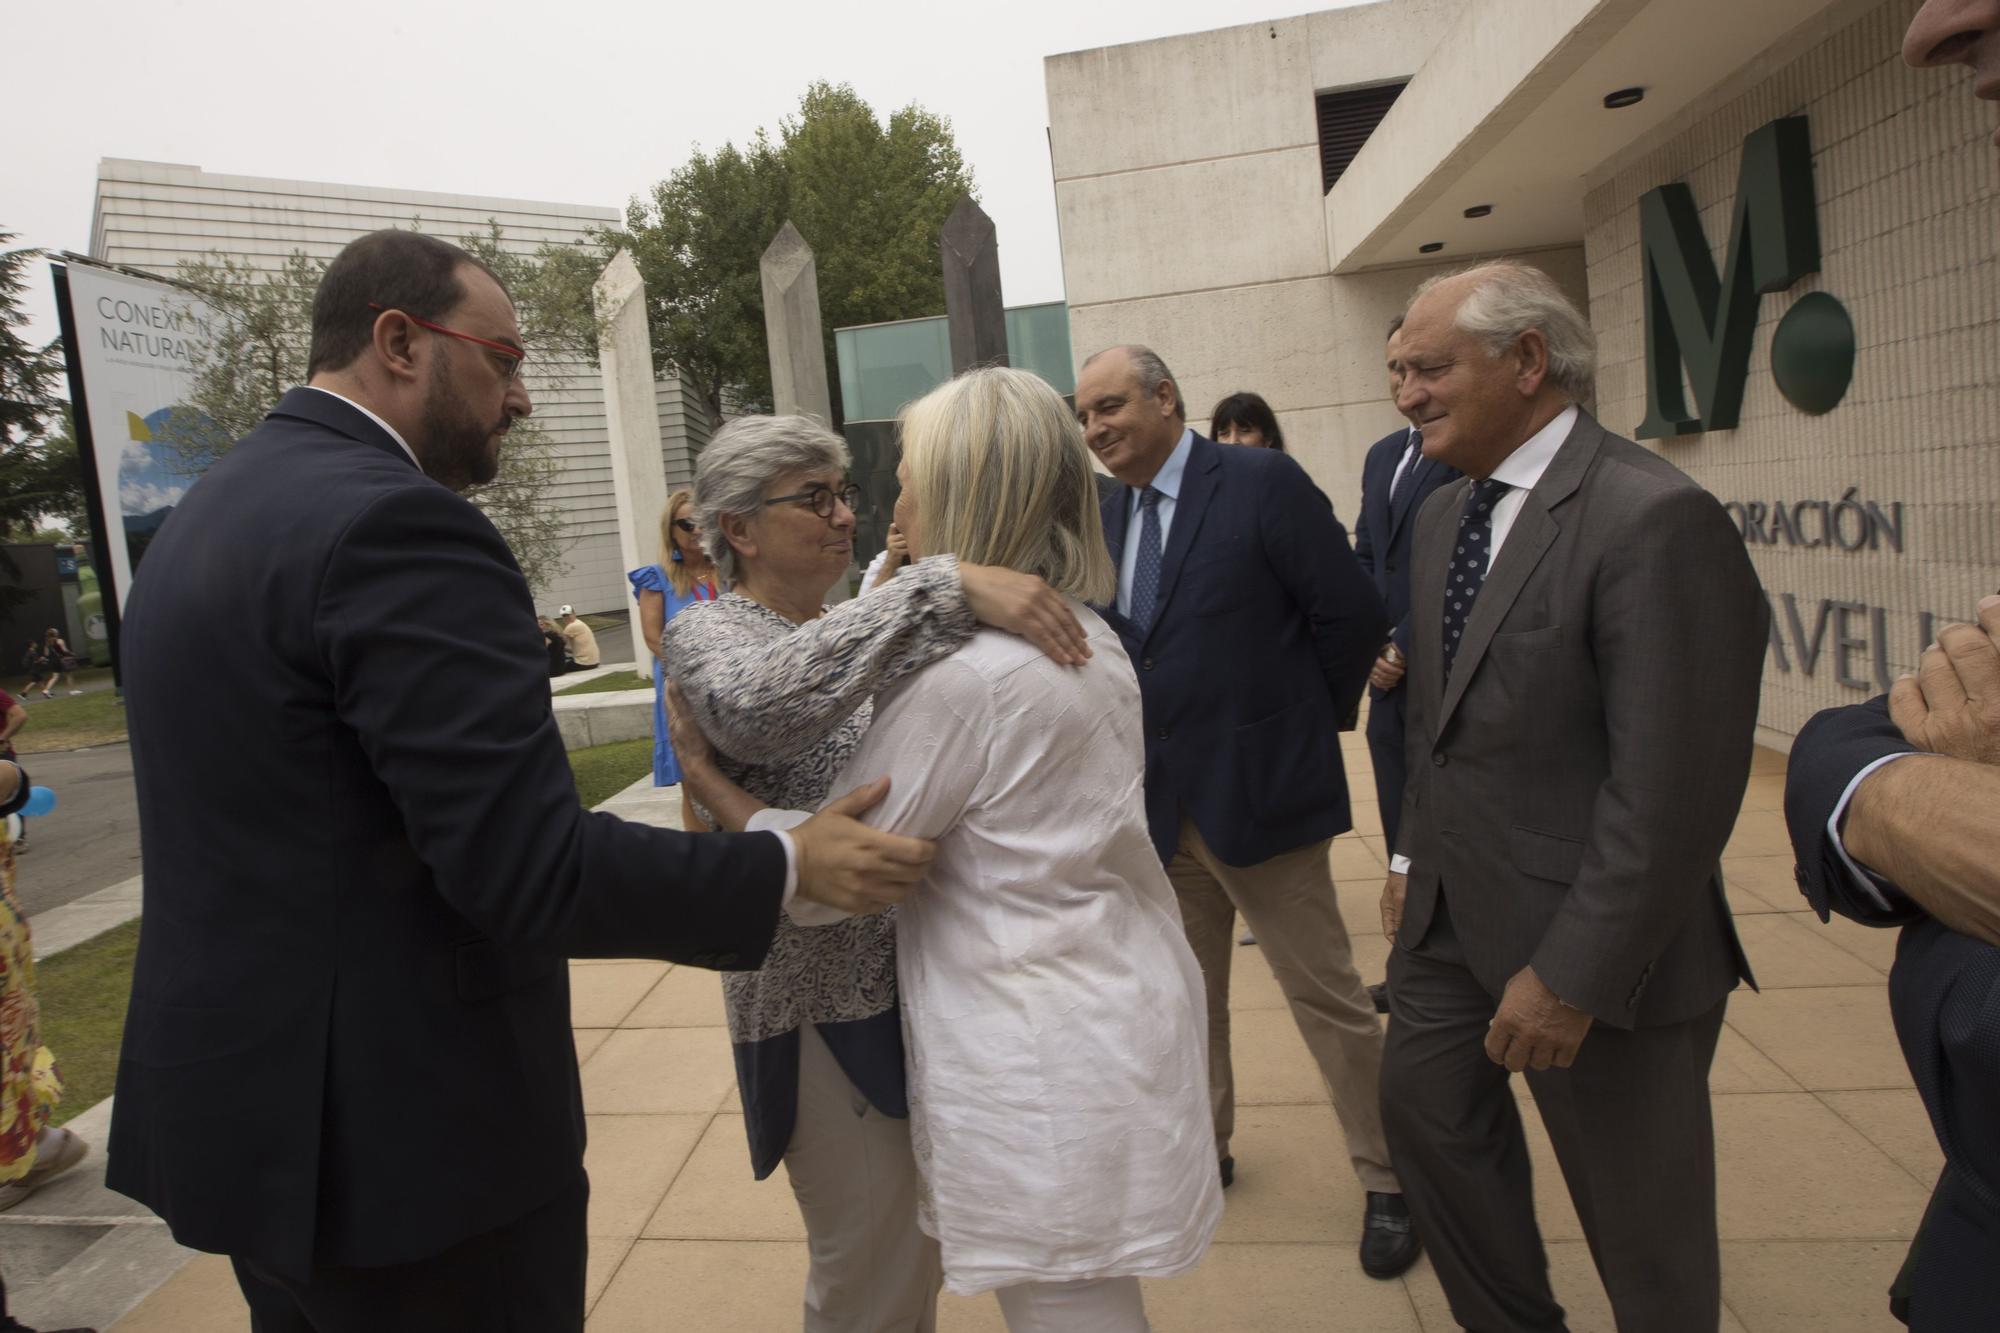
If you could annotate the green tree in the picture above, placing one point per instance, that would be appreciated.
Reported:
(261, 337)
(39, 473)
(869, 198)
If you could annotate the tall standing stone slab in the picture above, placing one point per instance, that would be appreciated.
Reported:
(631, 413)
(797, 345)
(973, 309)
(792, 328)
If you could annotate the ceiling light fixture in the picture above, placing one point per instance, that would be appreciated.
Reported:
(1430, 247)
(1479, 210)
(1624, 97)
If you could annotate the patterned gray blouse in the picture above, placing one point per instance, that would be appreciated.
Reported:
(785, 706)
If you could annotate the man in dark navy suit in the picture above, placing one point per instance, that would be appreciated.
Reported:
(1251, 629)
(1396, 479)
(348, 1062)
(1894, 812)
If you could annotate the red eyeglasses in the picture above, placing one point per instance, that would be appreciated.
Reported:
(510, 358)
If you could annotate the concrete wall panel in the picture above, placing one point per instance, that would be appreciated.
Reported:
(1222, 222)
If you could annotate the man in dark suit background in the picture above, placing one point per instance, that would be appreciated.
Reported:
(1396, 479)
(1580, 732)
(1894, 811)
(1251, 628)
(348, 1061)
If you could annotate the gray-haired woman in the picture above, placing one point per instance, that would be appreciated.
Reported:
(783, 686)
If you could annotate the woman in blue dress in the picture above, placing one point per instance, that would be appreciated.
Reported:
(683, 577)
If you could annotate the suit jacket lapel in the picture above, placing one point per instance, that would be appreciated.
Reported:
(1111, 505)
(1198, 482)
(1535, 530)
(1400, 514)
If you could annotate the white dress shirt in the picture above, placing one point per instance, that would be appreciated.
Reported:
(394, 434)
(784, 838)
(1522, 471)
(1055, 1018)
(1168, 483)
(1869, 883)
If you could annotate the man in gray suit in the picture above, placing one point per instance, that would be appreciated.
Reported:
(1580, 730)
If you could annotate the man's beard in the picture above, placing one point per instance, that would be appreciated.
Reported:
(455, 447)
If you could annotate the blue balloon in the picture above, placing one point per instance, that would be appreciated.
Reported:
(40, 801)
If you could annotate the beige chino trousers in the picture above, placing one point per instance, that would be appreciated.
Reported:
(852, 1171)
(1290, 905)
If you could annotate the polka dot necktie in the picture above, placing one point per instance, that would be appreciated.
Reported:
(1146, 573)
(1469, 561)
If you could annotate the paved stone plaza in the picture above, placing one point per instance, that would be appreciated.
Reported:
(1826, 1158)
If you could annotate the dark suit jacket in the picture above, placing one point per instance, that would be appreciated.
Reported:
(349, 1040)
(1384, 532)
(1943, 993)
(1572, 787)
(1260, 643)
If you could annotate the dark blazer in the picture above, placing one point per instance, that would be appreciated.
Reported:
(1383, 533)
(1943, 991)
(1383, 537)
(365, 863)
(1260, 643)
(1573, 785)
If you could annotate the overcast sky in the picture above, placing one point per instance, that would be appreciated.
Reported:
(576, 101)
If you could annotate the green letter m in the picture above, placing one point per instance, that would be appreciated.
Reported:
(1693, 316)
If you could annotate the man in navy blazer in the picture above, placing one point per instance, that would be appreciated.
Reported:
(1894, 811)
(1251, 629)
(1396, 479)
(347, 1062)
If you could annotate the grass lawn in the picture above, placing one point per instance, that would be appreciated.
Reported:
(83, 990)
(70, 722)
(82, 993)
(617, 680)
(602, 771)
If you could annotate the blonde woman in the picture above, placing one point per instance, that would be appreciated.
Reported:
(684, 576)
(1053, 1014)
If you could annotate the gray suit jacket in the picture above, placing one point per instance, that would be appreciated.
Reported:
(1572, 785)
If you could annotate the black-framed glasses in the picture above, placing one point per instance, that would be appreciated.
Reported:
(686, 525)
(821, 498)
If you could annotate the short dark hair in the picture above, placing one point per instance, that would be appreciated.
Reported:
(1247, 409)
(397, 270)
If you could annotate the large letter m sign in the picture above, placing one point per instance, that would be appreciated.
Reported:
(1706, 322)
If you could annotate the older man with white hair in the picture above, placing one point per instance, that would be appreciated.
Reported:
(1588, 638)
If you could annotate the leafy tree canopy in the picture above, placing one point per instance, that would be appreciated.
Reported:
(869, 198)
(39, 474)
(263, 334)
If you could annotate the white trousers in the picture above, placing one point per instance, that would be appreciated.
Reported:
(1100, 1305)
(873, 1270)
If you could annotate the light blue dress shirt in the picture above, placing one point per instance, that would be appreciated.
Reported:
(1168, 483)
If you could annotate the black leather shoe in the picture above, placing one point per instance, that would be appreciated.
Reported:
(1389, 1243)
(1379, 993)
(1228, 1172)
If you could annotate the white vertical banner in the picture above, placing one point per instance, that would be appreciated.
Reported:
(136, 343)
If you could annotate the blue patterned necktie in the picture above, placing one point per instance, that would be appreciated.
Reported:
(1415, 460)
(1469, 562)
(1146, 574)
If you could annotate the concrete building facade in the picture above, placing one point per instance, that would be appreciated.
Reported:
(155, 215)
(1195, 218)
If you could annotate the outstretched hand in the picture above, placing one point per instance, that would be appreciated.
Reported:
(689, 740)
(1023, 604)
(844, 864)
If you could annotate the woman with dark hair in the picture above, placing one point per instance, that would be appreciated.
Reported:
(1245, 418)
